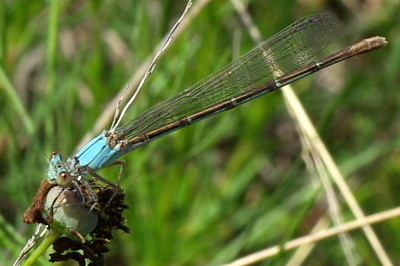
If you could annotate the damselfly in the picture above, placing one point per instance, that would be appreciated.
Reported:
(278, 61)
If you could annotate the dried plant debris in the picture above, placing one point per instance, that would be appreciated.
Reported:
(87, 226)
(68, 249)
(34, 213)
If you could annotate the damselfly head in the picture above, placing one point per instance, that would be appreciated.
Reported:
(58, 173)
(55, 154)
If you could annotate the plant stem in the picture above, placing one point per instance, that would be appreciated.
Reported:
(49, 239)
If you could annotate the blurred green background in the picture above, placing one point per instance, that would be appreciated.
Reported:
(224, 187)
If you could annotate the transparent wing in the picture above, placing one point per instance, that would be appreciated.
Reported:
(288, 50)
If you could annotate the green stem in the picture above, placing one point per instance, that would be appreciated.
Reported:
(15, 101)
(52, 44)
(50, 238)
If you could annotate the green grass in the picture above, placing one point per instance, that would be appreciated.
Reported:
(227, 186)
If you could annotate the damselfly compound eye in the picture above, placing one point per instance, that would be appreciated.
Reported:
(64, 179)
